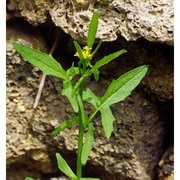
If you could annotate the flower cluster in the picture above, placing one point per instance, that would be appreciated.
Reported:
(86, 52)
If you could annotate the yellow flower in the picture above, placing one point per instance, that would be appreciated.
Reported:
(86, 52)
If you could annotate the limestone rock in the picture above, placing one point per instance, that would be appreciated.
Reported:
(34, 11)
(166, 165)
(22, 145)
(132, 19)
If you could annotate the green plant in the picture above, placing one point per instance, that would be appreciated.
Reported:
(77, 95)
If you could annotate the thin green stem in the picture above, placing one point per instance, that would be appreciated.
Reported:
(93, 114)
(82, 111)
(82, 123)
(80, 145)
(78, 89)
(80, 83)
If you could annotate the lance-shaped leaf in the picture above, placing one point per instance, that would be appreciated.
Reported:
(89, 178)
(92, 30)
(44, 62)
(106, 60)
(29, 178)
(79, 50)
(64, 167)
(88, 143)
(96, 74)
(117, 91)
(67, 91)
(120, 88)
(107, 119)
(65, 125)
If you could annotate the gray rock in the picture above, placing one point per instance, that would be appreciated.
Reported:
(166, 165)
(132, 19)
(59, 178)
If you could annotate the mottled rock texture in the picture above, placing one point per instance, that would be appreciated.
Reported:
(166, 165)
(133, 19)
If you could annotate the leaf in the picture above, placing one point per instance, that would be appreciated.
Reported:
(80, 81)
(67, 91)
(106, 60)
(97, 47)
(44, 62)
(64, 167)
(96, 74)
(92, 30)
(88, 143)
(79, 50)
(65, 124)
(107, 121)
(29, 178)
(71, 72)
(89, 178)
(91, 98)
(119, 89)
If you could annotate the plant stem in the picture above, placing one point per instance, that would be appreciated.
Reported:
(80, 145)
(82, 124)
(41, 84)
(81, 132)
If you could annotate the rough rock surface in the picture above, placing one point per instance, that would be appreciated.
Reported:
(133, 19)
(21, 143)
(166, 165)
(137, 143)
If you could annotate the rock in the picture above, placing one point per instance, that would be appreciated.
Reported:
(160, 78)
(152, 20)
(60, 178)
(22, 82)
(166, 165)
(34, 11)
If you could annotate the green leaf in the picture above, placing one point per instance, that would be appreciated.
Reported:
(92, 30)
(97, 47)
(88, 143)
(44, 62)
(117, 91)
(79, 50)
(71, 72)
(107, 121)
(106, 60)
(91, 98)
(64, 167)
(29, 178)
(67, 91)
(80, 81)
(89, 178)
(120, 88)
(96, 74)
(65, 124)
